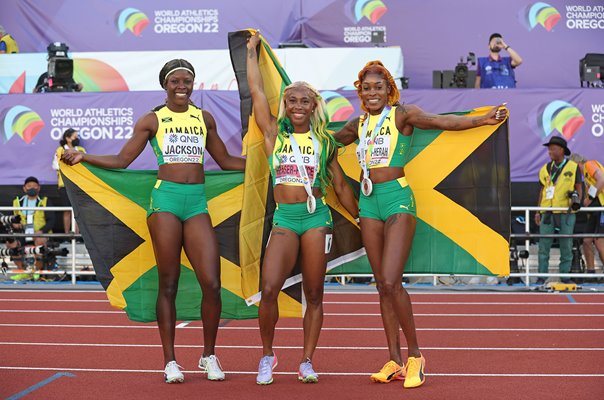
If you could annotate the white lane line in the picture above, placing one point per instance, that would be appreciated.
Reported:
(467, 303)
(255, 328)
(183, 324)
(55, 344)
(355, 374)
(327, 314)
(481, 303)
(347, 329)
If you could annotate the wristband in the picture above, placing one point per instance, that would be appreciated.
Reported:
(357, 220)
(507, 47)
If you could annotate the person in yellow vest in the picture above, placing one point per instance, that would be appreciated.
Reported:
(593, 173)
(7, 43)
(32, 222)
(70, 140)
(560, 178)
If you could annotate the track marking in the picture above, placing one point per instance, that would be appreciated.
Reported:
(183, 324)
(456, 374)
(255, 328)
(326, 314)
(571, 299)
(54, 344)
(39, 385)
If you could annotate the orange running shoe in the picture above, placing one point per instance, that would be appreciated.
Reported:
(415, 372)
(391, 371)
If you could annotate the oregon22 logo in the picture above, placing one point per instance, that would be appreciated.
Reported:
(20, 121)
(561, 116)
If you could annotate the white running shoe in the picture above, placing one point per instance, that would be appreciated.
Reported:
(172, 373)
(212, 367)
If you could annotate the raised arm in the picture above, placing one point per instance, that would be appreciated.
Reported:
(413, 115)
(262, 111)
(145, 127)
(349, 133)
(217, 149)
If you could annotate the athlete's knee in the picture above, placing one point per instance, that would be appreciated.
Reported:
(270, 292)
(314, 297)
(387, 288)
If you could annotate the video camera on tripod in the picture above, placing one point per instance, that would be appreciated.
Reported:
(60, 70)
(461, 77)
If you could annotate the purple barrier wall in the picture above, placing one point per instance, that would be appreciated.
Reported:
(31, 125)
(551, 37)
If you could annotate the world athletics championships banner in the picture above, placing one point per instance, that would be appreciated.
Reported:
(551, 36)
(31, 125)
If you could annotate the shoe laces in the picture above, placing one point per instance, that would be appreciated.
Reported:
(213, 363)
(413, 365)
(389, 367)
(266, 364)
(172, 366)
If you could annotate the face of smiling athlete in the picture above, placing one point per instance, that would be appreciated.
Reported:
(374, 92)
(179, 86)
(299, 106)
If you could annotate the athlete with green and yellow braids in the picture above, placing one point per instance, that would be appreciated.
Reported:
(303, 162)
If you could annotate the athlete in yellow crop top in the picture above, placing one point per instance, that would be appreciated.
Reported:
(177, 218)
(303, 161)
(387, 205)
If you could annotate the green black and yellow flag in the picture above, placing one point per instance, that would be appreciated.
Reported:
(461, 181)
(110, 207)
(258, 204)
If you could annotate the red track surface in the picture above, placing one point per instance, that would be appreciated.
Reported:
(477, 346)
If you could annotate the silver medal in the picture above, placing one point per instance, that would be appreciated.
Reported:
(311, 204)
(366, 186)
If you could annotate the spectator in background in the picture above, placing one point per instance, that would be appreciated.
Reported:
(495, 71)
(32, 222)
(593, 172)
(559, 178)
(69, 140)
(7, 43)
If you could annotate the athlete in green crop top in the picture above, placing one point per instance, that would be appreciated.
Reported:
(177, 218)
(387, 205)
(303, 162)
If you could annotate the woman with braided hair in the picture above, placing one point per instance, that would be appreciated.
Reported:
(179, 133)
(387, 205)
(303, 162)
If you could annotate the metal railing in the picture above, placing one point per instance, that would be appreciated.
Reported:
(71, 235)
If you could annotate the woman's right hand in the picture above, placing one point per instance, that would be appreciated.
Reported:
(72, 157)
(253, 40)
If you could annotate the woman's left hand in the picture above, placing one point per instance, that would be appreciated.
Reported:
(497, 114)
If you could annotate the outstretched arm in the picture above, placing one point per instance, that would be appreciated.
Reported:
(262, 112)
(217, 149)
(145, 127)
(415, 116)
(349, 133)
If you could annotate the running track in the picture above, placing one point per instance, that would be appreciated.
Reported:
(73, 345)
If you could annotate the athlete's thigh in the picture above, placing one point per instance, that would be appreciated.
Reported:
(166, 235)
(201, 247)
(372, 234)
(314, 257)
(398, 237)
(280, 256)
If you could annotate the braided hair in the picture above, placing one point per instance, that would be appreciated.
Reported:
(376, 67)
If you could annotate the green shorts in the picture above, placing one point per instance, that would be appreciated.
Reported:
(181, 199)
(295, 217)
(386, 199)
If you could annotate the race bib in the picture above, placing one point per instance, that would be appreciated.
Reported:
(183, 148)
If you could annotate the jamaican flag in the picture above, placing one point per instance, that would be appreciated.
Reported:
(460, 181)
(110, 207)
(258, 204)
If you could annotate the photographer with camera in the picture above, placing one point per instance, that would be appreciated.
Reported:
(59, 74)
(495, 71)
(561, 186)
(593, 173)
(32, 222)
